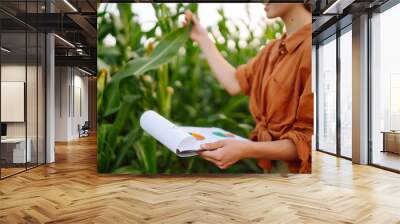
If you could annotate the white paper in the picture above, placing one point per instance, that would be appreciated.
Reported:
(183, 141)
(168, 134)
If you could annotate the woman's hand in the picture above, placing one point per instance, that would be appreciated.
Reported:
(224, 72)
(198, 33)
(224, 153)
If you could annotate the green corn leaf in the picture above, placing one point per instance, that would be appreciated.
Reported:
(130, 139)
(164, 52)
(140, 155)
(129, 69)
(119, 123)
(111, 99)
(127, 170)
(150, 154)
(234, 103)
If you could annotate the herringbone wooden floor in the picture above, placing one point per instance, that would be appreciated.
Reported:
(70, 191)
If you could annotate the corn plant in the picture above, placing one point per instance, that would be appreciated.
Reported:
(169, 75)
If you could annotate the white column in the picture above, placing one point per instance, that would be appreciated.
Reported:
(50, 100)
(360, 90)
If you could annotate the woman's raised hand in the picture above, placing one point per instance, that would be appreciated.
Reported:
(224, 72)
(198, 33)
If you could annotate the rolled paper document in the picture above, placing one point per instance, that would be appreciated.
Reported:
(168, 134)
(183, 141)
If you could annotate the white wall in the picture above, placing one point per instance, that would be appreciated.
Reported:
(15, 73)
(70, 83)
(33, 127)
(61, 103)
(80, 100)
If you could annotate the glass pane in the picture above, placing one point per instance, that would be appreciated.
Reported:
(22, 79)
(14, 153)
(327, 96)
(41, 98)
(385, 84)
(32, 85)
(314, 76)
(32, 96)
(346, 94)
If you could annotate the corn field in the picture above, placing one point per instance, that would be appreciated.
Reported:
(163, 70)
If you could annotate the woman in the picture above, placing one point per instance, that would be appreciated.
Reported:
(278, 82)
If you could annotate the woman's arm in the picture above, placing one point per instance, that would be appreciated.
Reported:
(224, 72)
(283, 149)
(225, 153)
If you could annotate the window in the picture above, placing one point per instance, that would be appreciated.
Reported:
(385, 89)
(327, 96)
(314, 85)
(22, 78)
(346, 93)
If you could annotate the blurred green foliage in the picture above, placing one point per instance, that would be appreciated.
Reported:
(160, 69)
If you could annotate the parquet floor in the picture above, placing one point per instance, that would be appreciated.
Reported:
(70, 191)
(10, 171)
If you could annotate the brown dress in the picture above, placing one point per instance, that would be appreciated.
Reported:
(278, 82)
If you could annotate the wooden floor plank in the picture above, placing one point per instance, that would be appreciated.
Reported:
(71, 191)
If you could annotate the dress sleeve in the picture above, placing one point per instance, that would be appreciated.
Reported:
(302, 130)
(245, 73)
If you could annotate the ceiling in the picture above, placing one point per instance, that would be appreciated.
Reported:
(332, 15)
(74, 22)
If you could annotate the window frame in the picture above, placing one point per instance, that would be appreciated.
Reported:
(29, 29)
(334, 37)
(379, 10)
